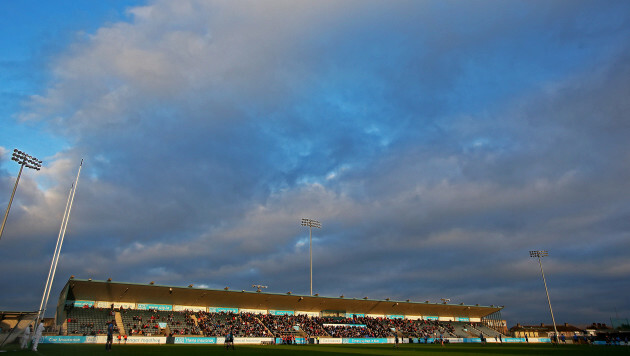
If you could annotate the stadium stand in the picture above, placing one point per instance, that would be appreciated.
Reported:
(85, 308)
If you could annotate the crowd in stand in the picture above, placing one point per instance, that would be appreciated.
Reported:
(241, 325)
(279, 324)
(254, 327)
(187, 326)
(148, 322)
(355, 327)
(312, 326)
(142, 328)
(423, 328)
(200, 323)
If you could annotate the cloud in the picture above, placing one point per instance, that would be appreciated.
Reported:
(436, 142)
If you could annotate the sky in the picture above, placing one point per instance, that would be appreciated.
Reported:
(437, 142)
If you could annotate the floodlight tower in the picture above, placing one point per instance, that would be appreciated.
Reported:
(539, 254)
(25, 161)
(311, 224)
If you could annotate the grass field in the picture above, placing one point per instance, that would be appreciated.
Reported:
(325, 350)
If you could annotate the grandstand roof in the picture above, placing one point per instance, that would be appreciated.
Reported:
(79, 289)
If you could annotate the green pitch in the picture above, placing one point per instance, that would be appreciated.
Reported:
(325, 350)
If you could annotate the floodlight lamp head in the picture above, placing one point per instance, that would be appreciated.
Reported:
(311, 223)
(538, 253)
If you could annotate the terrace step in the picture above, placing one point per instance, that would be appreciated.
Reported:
(119, 323)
